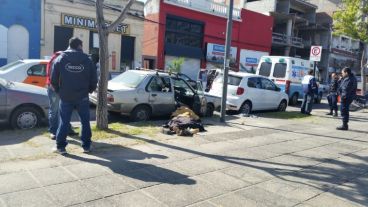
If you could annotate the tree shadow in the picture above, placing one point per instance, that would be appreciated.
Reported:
(121, 161)
(331, 177)
(11, 137)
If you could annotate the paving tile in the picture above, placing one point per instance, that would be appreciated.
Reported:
(50, 176)
(224, 181)
(201, 165)
(329, 200)
(249, 174)
(106, 202)
(231, 200)
(265, 197)
(203, 204)
(16, 182)
(87, 170)
(32, 198)
(108, 185)
(183, 194)
(135, 199)
(72, 193)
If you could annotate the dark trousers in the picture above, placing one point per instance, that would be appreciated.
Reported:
(332, 101)
(66, 109)
(345, 105)
(307, 103)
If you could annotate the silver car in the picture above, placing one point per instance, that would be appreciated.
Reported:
(141, 94)
(22, 105)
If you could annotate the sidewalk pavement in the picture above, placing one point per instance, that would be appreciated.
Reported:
(254, 161)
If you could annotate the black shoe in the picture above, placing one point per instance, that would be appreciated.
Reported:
(329, 113)
(335, 114)
(343, 128)
(52, 136)
(308, 113)
(73, 133)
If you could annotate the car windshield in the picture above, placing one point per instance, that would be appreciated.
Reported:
(129, 79)
(10, 65)
(232, 80)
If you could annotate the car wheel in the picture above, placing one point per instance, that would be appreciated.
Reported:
(246, 108)
(210, 109)
(141, 113)
(294, 99)
(25, 118)
(282, 106)
(318, 99)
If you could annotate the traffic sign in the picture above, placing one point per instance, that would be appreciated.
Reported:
(315, 53)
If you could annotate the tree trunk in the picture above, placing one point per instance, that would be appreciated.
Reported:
(101, 112)
(363, 67)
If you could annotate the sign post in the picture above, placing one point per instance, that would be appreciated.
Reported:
(315, 55)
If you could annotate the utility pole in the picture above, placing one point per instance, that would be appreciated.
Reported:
(229, 29)
(364, 54)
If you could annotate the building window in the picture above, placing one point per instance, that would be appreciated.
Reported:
(61, 37)
(183, 32)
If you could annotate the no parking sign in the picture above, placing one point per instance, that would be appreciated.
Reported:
(315, 53)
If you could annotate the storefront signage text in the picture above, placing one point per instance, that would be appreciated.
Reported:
(88, 23)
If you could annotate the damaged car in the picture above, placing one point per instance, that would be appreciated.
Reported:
(142, 94)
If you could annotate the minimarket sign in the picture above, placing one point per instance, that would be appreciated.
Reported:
(89, 23)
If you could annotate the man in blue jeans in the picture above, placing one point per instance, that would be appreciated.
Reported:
(309, 88)
(54, 101)
(73, 77)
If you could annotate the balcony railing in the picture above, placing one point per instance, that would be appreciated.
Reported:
(282, 39)
(206, 6)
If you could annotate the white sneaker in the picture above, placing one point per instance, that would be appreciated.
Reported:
(59, 151)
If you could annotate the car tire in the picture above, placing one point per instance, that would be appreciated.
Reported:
(318, 99)
(246, 108)
(26, 117)
(294, 99)
(210, 109)
(141, 113)
(282, 106)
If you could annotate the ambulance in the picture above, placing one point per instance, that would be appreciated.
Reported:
(288, 73)
(30, 71)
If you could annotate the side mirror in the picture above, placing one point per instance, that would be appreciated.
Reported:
(278, 89)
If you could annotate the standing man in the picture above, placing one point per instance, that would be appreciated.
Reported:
(73, 77)
(332, 94)
(347, 92)
(309, 88)
(54, 101)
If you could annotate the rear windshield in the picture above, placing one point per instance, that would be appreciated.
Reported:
(232, 80)
(10, 65)
(129, 79)
(265, 69)
(280, 70)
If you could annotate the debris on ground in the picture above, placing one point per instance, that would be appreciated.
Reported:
(184, 122)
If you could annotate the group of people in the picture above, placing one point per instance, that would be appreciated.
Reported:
(71, 76)
(344, 86)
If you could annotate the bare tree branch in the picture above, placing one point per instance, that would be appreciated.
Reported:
(122, 16)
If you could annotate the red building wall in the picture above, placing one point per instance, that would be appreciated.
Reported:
(254, 32)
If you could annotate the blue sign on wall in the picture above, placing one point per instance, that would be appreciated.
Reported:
(251, 60)
(20, 24)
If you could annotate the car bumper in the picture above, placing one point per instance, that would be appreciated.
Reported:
(233, 103)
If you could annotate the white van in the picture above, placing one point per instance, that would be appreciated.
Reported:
(287, 73)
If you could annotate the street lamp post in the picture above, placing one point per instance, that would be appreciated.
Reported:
(226, 68)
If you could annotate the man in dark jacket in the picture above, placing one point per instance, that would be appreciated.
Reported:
(332, 94)
(309, 88)
(347, 92)
(73, 77)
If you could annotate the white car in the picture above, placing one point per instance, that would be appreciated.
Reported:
(248, 92)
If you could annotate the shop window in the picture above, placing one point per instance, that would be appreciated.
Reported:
(127, 52)
(62, 36)
(183, 32)
(3, 42)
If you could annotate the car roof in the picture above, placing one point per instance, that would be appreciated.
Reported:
(243, 74)
(150, 72)
(35, 61)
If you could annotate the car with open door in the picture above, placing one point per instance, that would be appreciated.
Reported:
(141, 94)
